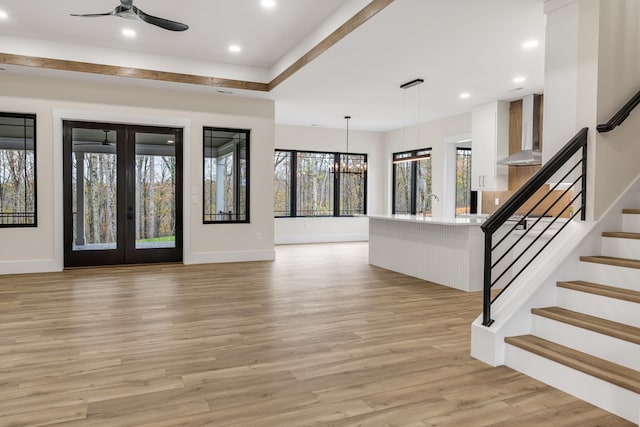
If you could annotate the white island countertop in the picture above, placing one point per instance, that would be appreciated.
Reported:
(421, 219)
(447, 251)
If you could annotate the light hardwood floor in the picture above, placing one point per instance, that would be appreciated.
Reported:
(318, 337)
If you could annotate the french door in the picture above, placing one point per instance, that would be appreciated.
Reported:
(122, 194)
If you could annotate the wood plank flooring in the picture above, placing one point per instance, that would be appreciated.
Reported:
(317, 337)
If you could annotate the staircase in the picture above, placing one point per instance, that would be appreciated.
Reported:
(589, 344)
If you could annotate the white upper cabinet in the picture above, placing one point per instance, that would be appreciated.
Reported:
(489, 143)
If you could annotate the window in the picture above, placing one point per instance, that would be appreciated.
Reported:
(308, 183)
(17, 170)
(282, 184)
(353, 184)
(465, 198)
(314, 190)
(412, 182)
(226, 175)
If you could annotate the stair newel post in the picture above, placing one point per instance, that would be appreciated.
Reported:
(486, 301)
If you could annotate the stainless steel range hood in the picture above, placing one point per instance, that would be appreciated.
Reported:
(530, 153)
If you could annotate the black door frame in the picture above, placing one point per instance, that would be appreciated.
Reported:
(126, 252)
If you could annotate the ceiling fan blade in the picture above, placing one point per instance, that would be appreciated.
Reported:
(93, 15)
(160, 22)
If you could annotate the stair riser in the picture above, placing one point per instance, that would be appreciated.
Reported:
(605, 347)
(621, 248)
(612, 398)
(621, 277)
(595, 305)
(631, 223)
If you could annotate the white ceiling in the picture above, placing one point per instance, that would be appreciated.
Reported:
(456, 46)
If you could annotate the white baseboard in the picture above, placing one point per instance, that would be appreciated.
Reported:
(320, 238)
(30, 266)
(230, 256)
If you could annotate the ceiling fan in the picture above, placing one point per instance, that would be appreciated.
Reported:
(106, 138)
(126, 9)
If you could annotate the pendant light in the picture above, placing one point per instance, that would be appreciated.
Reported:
(416, 156)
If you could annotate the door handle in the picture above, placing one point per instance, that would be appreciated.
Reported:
(130, 213)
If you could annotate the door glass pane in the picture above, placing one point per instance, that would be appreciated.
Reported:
(94, 188)
(155, 190)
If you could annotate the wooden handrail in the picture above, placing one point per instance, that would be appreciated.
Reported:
(621, 115)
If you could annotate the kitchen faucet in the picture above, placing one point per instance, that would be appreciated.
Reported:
(426, 201)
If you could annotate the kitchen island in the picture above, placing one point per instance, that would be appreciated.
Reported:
(446, 251)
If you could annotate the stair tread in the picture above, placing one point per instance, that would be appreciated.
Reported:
(631, 211)
(596, 324)
(607, 371)
(621, 234)
(609, 260)
(603, 290)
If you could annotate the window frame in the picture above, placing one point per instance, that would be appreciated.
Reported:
(412, 156)
(25, 116)
(293, 188)
(338, 184)
(473, 195)
(236, 173)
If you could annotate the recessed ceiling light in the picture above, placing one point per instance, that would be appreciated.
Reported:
(268, 3)
(128, 32)
(465, 95)
(519, 79)
(235, 48)
(530, 44)
(4, 15)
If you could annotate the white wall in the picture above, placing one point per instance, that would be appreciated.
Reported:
(592, 69)
(309, 230)
(616, 153)
(41, 248)
(560, 76)
(438, 134)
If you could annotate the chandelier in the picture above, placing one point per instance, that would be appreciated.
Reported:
(346, 163)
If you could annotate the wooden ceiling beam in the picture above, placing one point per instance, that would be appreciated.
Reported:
(344, 30)
(138, 73)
